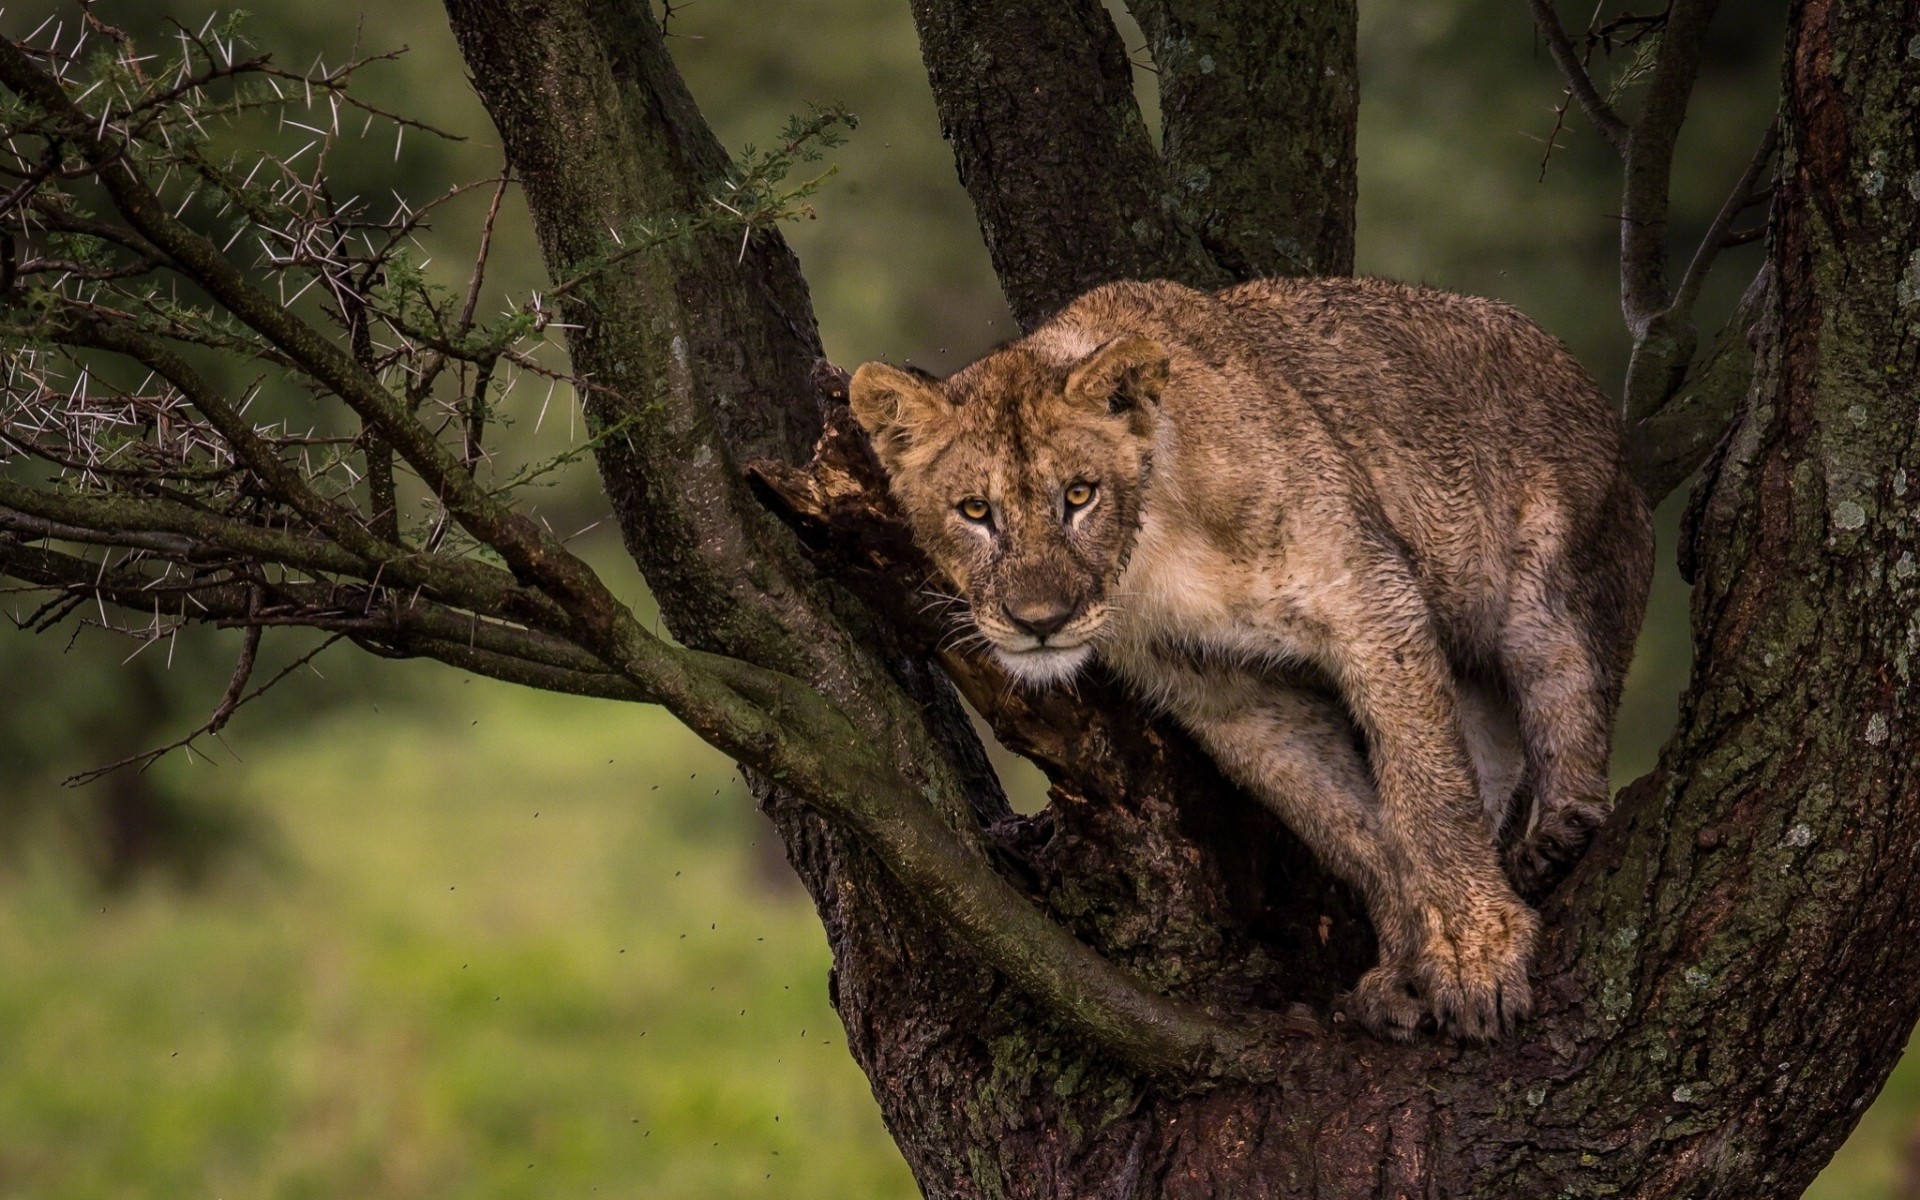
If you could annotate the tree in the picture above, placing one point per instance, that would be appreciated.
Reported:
(1130, 993)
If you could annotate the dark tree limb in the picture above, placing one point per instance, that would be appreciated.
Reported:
(1644, 292)
(1037, 102)
(1258, 110)
(1257, 176)
(1671, 413)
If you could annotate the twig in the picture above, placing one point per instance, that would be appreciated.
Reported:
(242, 671)
(1579, 81)
(423, 384)
(230, 701)
(1718, 236)
(486, 248)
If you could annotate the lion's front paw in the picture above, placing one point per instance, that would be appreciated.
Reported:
(1538, 861)
(1386, 1003)
(1472, 969)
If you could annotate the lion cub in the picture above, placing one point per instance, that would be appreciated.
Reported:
(1416, 498)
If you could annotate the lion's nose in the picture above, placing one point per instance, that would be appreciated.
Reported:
(1040, 618)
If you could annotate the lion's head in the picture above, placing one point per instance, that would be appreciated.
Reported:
(1022, 477)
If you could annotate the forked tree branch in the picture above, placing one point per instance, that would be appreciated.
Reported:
(1677, 438)
(1644, 293)
(281, 551)
(1671, 414)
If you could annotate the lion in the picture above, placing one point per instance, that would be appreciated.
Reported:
(1374, 545)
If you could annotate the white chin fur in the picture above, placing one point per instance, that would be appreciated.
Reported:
(1044, 665)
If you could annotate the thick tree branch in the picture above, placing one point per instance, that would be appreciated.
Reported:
(700, 356)
(1077, 987)
(601, 684)
(1258, 114)
(136, 520)
(1037, 103)
(407, 623)
(387, 622)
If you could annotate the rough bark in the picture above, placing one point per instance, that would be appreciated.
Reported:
(1730, 972)
(1037, 102)
(1257, 110)
(1257, 178)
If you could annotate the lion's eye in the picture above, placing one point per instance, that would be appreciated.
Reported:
(1079, 495)
(973, 508)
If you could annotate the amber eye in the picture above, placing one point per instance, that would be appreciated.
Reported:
(1078, 495)
(973, 508)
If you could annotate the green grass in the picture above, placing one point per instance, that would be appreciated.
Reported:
(514, 946)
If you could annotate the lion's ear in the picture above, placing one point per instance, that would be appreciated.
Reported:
(1124, 375)
(895, 407)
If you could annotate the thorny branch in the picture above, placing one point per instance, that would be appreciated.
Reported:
(170, 467)
(232, 699)
(1580, 86)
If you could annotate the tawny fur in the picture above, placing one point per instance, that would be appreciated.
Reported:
(1307, 506)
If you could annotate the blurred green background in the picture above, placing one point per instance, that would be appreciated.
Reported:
(408, 934)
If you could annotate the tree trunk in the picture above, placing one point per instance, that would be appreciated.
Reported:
(1729, 974)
